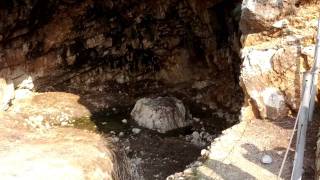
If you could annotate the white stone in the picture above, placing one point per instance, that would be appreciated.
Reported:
(266, 159)
(281, 24)
(136, 130)
(205, 152)
(121, 134)
(22, 94)
(196, 119)
(64, 123)
(124, 121)
(161, 114)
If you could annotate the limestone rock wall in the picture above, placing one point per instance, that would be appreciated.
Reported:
(278, 47)
(87, 42)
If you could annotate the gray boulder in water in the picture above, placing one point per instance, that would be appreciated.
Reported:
(161, 114)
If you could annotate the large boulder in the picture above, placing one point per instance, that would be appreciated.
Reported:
(161, 114)
(257, 16)
(263, 84)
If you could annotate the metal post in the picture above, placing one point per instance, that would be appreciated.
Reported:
(302, 130)
(315, 73)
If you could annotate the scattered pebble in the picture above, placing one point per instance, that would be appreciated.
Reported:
(196, 119)
(112, 132)
(104, 123)
(114, 109)
(204, 152)
(64, 123)
(136, 130)
(121, 134)
(188, 171)
(204, 108)
(266, 159)
(124, 121)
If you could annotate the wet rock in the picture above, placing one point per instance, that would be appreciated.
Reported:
(161, 114)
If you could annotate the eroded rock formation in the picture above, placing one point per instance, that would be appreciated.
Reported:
(278, 47)
(81, 44)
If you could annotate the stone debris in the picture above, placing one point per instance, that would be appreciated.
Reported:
(204, 153)
(136, 130)
(196, 119)
(124, 121)
(200, 139)
(121, 134)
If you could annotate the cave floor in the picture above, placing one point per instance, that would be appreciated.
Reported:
(237, 153)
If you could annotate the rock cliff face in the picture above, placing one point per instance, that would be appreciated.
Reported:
(278, 47)
(82, 43)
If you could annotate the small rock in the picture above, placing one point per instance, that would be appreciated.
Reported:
(64, 123)
(115, 139)
(114, 109)
(196, 119)
(195, 135)
(266, 159)
(124, 121)
(188, 171)
(121, 134)
(204, 152)
(136, 130)
(204, 108)
(104, 123)
(112, 132)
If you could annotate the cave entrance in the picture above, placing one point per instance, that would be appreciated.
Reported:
(112, 54)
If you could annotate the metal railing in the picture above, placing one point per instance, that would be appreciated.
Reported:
(306, 111)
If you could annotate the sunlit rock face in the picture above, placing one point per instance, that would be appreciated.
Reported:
(277, 50)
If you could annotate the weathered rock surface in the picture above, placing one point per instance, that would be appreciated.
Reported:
(81, 44)
(62, 153)
(275, 59)
(161, 114)
(49, 109)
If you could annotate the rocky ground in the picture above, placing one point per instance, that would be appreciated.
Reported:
(240, 152)
(59, 153)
